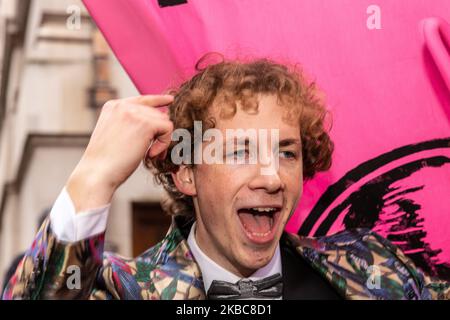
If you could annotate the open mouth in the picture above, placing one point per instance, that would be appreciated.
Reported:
(259, 223)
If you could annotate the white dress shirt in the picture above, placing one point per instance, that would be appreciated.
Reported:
(68, 226)
(212, 271)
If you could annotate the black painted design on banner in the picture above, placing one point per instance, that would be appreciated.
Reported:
(170, 3)
(386, 201)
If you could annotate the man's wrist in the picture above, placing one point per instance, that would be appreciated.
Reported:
(88, 190)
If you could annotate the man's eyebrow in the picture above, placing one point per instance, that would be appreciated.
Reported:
(245, 141)
(288, 142)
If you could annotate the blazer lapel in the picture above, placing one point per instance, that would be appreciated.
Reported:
(178, 275)
(300, 280)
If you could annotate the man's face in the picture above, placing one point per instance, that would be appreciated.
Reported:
(242, 209)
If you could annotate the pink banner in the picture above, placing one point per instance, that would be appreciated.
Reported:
(385, 68)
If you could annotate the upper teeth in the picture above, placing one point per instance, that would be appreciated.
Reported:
(264, 209)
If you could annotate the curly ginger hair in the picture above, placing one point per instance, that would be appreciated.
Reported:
(233, 83)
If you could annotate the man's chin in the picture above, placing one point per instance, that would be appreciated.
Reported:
(255, 257)
(255, 262)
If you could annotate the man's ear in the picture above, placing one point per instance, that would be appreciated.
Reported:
(184, 180)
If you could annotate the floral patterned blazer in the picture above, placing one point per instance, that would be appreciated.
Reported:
(357, 264)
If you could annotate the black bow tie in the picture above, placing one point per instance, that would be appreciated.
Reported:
(270, 287)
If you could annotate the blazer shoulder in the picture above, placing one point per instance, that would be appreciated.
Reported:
(341, 238)
(123, 276)
(362, 244)
(151, 257)
(165, 271)
(356, 236)
(363, 264)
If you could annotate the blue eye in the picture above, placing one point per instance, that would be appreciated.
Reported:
(288, 154)
(240, 153)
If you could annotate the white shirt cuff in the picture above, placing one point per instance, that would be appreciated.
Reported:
(69, 226)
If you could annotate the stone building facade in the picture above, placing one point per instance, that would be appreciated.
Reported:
(56, 71)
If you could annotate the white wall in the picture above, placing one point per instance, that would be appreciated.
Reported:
(48, 93)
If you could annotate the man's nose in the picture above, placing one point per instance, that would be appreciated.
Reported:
(268, 179)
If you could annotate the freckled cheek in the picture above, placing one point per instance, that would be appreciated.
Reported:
(218, 174)
(230, 180)
(293, 182)
(217, 191)
(292, 193)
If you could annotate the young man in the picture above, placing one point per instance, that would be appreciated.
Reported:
(226, 240)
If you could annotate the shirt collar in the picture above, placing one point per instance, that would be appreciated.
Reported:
(212, 271)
